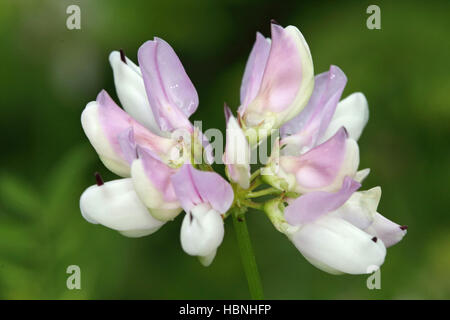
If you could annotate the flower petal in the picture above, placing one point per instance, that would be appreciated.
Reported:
(107, 128)
(116, 205)
(335, 245)
(202, 231)
(237, 154)
(352, 113)
(287, 82)
(388, 231)
(360, 209)
(131, 91)
(194, 187)
(325, 166)
(311, 206)
(151, 179)
(306, 129)
(254, 70)
(361, 175)
(169, 89)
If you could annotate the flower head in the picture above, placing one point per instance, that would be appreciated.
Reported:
(310, 183)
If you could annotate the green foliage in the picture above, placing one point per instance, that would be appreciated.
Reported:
(49, 74)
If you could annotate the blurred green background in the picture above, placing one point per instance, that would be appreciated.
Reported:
(49, 73)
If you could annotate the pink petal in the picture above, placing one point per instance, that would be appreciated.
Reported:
(313, 121)
(115, 122)
(171, 93)
(127, 144)
(254, 70)
(185, 188)
(158, 173)
(213, 189)
(320, 166)
(310, 206)
(194, 187)
(283, 73)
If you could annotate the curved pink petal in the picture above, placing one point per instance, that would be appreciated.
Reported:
(172, 95)
(320, 166)
(158, 173)
(310, 206)
(283, 73)
(194, 187)
(254, 70)
(185, 188)
(116, 124)
(312, 122)
(213, 189)
(127, 144)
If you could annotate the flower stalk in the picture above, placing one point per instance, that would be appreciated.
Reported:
(247, 255)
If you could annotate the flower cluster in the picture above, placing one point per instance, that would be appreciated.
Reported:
(310, 183)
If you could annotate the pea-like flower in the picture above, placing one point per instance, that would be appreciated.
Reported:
(308, 189)
(140, 143)
(317, 150)
(277, 82)
(338, 232)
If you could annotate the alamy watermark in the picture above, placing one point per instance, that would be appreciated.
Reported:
(374, 20)
(74, 280)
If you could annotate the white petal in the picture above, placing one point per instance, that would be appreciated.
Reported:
(361, 175)
(151, 196)
(237, 154)
(352, 113)
(338, 246)
(131, 91)
(117, 206)
(207, 260)
(202, 231)
(90, 122)
(360, 208)
(388, 231)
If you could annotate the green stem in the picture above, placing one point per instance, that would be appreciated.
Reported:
(247, 256)
(263, 192)
(255, 174)
(255, 184)
(254, 205)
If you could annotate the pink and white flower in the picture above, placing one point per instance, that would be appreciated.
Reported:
(277, 82)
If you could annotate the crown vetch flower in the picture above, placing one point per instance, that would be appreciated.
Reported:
(310, 183)
(314, 155)
(277, 82)
(338, 232)
(204, 196)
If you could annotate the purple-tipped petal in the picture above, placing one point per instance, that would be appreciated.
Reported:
(308, 127)
(194, 187)
(171, 93)
(388, 231)
(311, 206)
(254, 70)
(324, 166)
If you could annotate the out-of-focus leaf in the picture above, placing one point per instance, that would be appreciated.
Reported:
(16, 194)
(64, 183)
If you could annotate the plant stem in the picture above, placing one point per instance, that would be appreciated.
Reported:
(263, 192)
(247, 256)
(255, 174)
